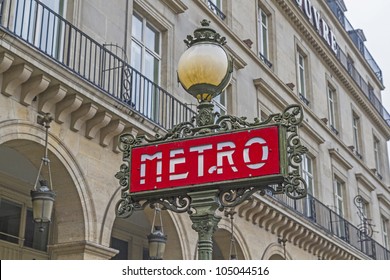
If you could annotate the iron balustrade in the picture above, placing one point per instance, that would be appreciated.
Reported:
(265, 60)
(216, 10)
(48, 32)
(321, 215)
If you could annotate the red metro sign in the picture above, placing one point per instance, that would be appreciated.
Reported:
(220, 159)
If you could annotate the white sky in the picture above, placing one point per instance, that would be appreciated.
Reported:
(373, 17)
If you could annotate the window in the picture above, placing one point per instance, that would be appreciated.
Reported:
(146, 59)
(356, 134)
(302, 87)
(123, 248)
(307, 175)
(365, 227)
(385, 235)
(339, 223)
(377, 156)
(332, 109)
(17, 226)
(263, 36)
(39, 25)
(220, 103)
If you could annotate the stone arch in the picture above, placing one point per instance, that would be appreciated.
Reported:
(275, 251)
(222, 239)
(133, 231)
(72, 189)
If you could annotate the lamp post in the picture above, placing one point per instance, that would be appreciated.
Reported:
(43, 197)
(204, 71)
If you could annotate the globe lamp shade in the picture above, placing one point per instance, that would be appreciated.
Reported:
(204, 70)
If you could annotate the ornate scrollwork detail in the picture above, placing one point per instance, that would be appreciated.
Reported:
(128, 204)
(233, 197)
(123, 176)
(177, 204)
(365, 227)
(294, 186)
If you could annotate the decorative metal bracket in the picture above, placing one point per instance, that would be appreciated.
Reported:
(209, 122)
(365, 227)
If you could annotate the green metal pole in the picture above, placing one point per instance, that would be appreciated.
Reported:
(204, 220)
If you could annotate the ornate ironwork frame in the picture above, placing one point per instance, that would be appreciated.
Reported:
(208, 122)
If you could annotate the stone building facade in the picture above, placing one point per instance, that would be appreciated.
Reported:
(103, 68)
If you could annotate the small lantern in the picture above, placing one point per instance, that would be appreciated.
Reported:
(157, 240)
(205, 68)
(43, 197)
(42, 201)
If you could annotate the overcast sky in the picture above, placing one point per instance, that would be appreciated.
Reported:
(373, 17)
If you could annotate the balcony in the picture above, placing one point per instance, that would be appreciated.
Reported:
(49, 33)
(328, 220)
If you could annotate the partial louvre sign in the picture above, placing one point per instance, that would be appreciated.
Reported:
(206, 160)
(322, 27)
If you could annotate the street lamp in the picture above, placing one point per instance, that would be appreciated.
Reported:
(204, 69)
(43, 197)
(157, 239)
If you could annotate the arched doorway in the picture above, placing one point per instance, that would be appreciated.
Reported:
(22, 147)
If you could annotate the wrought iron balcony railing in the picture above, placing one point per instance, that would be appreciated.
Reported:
(317, 213)
(49, 33)
(216, 10)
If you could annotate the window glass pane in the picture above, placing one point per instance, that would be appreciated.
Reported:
(151, 67)
(29, 231)
(152, 41)
(136, 29)
(122, 246)
(10, 214)
(136, 57)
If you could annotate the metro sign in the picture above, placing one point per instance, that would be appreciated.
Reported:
(236, 158)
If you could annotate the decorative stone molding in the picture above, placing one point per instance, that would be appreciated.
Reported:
(176, 6)
(33, 87)
(50, 97)
(95, 124)
(80, 250)
(68, 105)
(334, 154)
(6, 61)
(82, 114)
(114, 128)
(14, 77)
